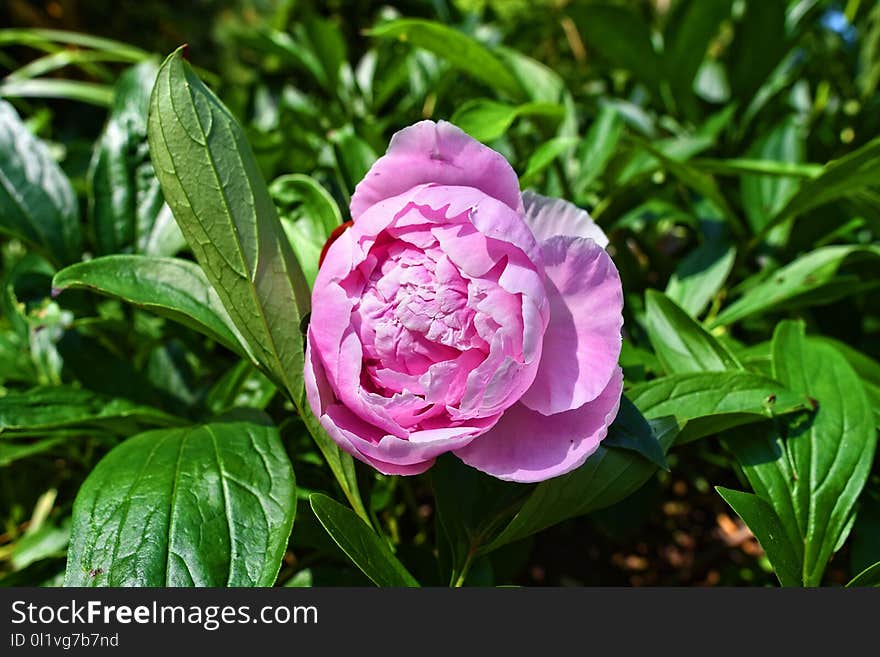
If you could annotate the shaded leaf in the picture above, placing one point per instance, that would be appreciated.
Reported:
(608, 476)
(37, 203)
(364, 547)
(58, 407)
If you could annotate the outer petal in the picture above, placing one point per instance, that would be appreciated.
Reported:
(439, 153)
(526, 446)
(548, 217)
(582, 342)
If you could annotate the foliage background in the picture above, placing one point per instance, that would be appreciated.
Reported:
(649, 114)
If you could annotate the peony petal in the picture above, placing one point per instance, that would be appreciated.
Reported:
(368, 441)
(582, 342)
(549, 217)
(441, 153)
(527, 447)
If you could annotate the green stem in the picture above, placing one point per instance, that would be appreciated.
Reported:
(462, 575)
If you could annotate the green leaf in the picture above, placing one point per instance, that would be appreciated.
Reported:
(173, 288)
(851, 173)
(14, 450)
(767, 528)
(83, 92)
(58, 407)
(809, 280)
(812, 470)
(124, 196)
(341, 463)
(867, 368)
(764, 196)
(241, 386)
(746, 166)
(598, 146)
(759, 44)
(487, 120)
(367, 550)
(471, 508)
(608, 476)
(37, 202)
(540, 82)
(211, 181)
(711, 402)
(38, 37)
(692, 177)
(460, 50)
(690, 29)
(208, 505)
(681, 344)
(700, 275)
(354, 156)
(543, 156)
(309, 214)
(622, 37)
(870, 576)
(632, 431)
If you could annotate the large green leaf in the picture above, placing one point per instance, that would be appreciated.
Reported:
(37, 202)
(681, 344)
(58, 407)
(812, 470)
(208, 505)
(211, 181)
(767, 528)
(810, 280)
(173, 288)
(700, 275)
(125, 200)
(460, 50)
(364, 547)
(608, 476)
(711, 402)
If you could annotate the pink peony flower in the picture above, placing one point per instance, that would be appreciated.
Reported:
(459, 315)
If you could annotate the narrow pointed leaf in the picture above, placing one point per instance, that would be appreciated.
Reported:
(364, 547)
(767, 528)
(681, 344)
